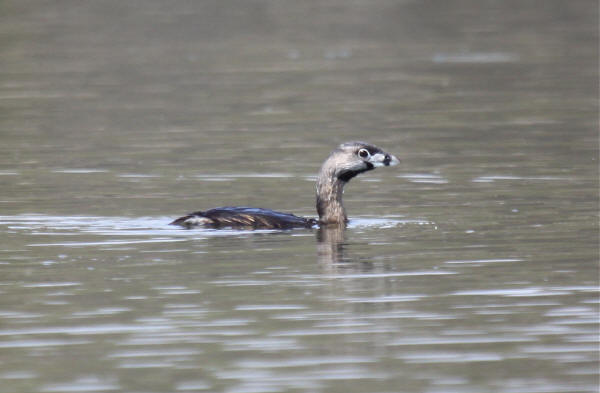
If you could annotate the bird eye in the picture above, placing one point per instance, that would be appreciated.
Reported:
(364, 153)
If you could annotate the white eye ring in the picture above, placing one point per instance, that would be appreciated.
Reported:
(364, 153)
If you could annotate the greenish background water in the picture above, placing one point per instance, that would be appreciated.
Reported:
(472, 266)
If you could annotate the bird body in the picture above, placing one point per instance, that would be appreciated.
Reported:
(242, 216)
(344, 163)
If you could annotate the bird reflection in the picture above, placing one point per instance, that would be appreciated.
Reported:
(330, 244)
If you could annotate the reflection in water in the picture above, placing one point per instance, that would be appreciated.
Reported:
(330, 244)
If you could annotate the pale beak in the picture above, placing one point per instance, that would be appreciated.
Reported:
(383, 159)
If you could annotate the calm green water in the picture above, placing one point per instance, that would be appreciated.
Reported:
(470, 267)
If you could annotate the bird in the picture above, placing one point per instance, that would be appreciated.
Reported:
(344, 163)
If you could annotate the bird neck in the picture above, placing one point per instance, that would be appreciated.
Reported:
(329, 198)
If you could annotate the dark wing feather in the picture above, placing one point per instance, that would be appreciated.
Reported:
(251, 217)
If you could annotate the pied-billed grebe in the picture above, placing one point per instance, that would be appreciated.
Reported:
(345, 162)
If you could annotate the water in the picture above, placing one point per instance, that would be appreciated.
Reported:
(472, 266)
